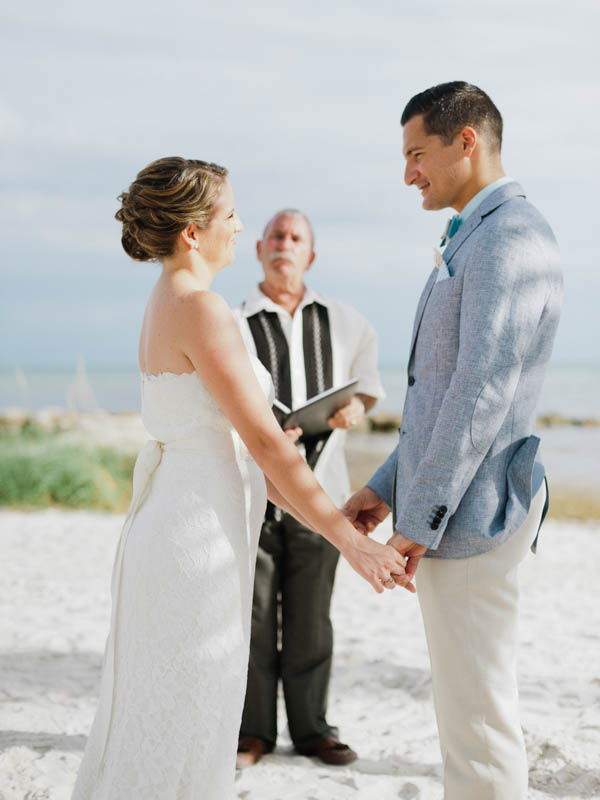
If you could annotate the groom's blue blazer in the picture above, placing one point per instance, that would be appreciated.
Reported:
(460, 478)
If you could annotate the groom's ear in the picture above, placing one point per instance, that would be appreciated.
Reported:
(313, 255)
(469, 140)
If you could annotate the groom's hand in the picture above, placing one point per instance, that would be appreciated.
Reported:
(413, 552)
(365, 510)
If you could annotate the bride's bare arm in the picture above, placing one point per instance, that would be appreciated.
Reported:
(211, 340)
(278, 499)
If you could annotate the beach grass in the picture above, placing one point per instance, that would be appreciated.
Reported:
(570, 503)
(39, 468)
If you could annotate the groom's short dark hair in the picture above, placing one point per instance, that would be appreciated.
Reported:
(449, 107)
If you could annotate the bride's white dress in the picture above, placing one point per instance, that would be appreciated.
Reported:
(176, 659)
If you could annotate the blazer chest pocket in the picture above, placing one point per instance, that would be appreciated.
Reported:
(446, 286)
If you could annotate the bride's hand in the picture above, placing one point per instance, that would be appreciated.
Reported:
(378, 564)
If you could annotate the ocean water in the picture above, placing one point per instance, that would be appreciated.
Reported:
(569, 390)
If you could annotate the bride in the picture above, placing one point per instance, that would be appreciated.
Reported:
(176, 658)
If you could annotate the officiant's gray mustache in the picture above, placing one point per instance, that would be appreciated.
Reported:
(282, 254)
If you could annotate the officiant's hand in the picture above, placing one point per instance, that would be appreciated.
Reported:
(348, 416)
(365, 510)
(413, 552)
(293, 433)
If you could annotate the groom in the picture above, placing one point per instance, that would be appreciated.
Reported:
(465, 482)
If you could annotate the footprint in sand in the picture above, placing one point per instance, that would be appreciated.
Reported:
(409, 792)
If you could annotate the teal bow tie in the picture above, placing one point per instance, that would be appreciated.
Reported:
(452, 226)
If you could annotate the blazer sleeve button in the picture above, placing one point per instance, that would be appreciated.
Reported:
(411, 380)
(435, 525)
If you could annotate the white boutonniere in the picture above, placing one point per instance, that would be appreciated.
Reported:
(438, 258)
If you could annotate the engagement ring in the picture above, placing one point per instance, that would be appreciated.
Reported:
(390, 580)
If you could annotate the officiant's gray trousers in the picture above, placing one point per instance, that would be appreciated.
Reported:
(292, 636)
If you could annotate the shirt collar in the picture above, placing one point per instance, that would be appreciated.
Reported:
(258, 301)
(478, 199)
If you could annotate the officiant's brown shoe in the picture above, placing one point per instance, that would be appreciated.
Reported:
(332, 751)
(250, 750)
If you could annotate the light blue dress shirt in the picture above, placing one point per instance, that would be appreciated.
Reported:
(478, 199)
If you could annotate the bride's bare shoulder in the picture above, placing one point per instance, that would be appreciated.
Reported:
(204, 302)
(200, 310)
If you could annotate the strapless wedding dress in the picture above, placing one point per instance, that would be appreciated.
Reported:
(176, 659)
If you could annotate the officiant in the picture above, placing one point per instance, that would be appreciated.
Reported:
(309, 343)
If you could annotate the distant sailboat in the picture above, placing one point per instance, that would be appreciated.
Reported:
(79, 394)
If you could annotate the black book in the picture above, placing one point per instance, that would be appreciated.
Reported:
(312, 416)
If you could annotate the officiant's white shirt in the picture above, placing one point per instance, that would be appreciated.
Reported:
(354, 347)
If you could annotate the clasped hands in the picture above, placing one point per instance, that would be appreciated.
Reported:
(365, 510)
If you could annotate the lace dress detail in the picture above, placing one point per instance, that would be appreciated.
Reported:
(176, 659)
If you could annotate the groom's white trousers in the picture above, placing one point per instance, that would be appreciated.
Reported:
(470, 609)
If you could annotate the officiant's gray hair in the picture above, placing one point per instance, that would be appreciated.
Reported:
(292, 212)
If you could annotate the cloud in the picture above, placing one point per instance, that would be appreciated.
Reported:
(11, 124)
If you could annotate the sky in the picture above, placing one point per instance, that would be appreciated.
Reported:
(302, 103)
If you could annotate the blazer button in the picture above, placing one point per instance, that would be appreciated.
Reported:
(443, 509)
(435, 525)
(411, 380)
(439, 515)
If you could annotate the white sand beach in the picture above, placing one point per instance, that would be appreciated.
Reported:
(55, 608)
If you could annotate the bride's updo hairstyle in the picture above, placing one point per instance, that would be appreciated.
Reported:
(165, 197)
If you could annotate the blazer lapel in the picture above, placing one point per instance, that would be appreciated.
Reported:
(491, 203)
(461, 235)
(497, 198)
(420, 310)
